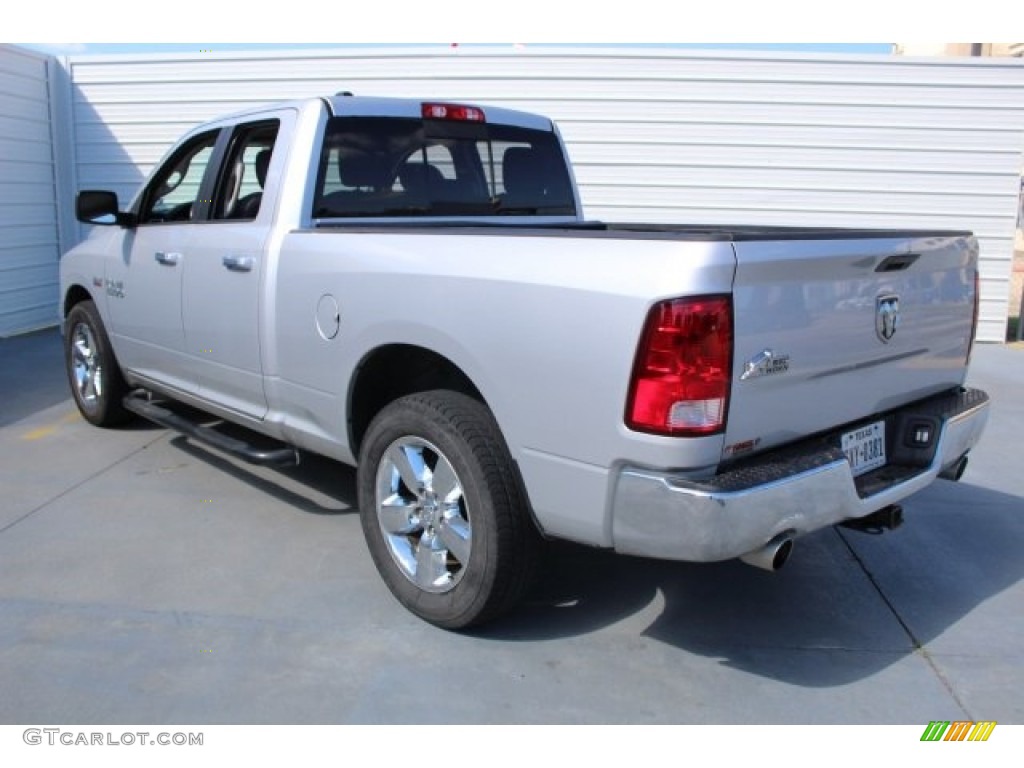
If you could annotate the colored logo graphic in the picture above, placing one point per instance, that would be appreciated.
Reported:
(958, 730)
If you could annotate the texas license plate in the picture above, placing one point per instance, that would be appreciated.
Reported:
(865, 447)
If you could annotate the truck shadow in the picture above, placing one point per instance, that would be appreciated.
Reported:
(317, 485)
(33, 379)
(847, 605)
(32, 376)
(839, 611)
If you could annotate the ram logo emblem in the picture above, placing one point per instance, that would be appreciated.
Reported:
(887, 317)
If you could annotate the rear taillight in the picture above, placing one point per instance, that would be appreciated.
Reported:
(680, 382)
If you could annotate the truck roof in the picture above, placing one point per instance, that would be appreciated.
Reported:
(372, 106)
(377, 106)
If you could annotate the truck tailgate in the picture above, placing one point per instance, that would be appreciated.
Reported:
(831, 331)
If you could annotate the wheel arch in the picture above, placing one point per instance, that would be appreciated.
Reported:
(75, 294)
(391, 371)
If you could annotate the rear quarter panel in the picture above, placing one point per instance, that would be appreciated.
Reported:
(546, 327)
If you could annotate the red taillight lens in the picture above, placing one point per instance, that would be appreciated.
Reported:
(680, 383)
(460, 112)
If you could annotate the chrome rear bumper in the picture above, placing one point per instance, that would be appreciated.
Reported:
(790, 491)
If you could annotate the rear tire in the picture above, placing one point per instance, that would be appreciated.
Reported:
(93, 373)
(443, 510)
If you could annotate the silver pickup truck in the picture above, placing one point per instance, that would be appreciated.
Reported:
(410, 287)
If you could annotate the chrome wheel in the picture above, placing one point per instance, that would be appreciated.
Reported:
(93, 374)
(422, 512)
(443, 510)
(87, 367)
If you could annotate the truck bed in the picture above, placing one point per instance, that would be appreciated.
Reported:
(806, 304)
(714, 232)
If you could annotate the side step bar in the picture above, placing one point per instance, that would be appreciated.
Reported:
(282, 456)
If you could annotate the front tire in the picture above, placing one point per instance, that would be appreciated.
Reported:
(96, 381)
(443, 510)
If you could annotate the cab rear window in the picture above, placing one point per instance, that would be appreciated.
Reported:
(400, 167)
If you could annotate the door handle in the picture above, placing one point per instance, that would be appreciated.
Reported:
(239, 263)
(170, 259)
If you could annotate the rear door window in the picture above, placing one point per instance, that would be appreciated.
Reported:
(239, 191)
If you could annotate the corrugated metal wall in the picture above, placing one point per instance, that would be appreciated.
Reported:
(29, 247)
(655, 135)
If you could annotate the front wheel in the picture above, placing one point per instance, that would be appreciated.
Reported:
(95, 378)
(443, 510)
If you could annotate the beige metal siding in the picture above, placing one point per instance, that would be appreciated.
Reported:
(655, 135)
(29, 248)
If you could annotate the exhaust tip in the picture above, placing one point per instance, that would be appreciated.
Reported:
(772, 556)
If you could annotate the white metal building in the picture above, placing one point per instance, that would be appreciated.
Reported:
(29, 246)
(655, 135)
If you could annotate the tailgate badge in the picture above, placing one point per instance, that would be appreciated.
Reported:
(887, 316)
(765, 363)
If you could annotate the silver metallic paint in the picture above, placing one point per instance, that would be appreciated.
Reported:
(545, 327)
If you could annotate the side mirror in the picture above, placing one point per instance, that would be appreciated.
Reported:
(93, 206)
